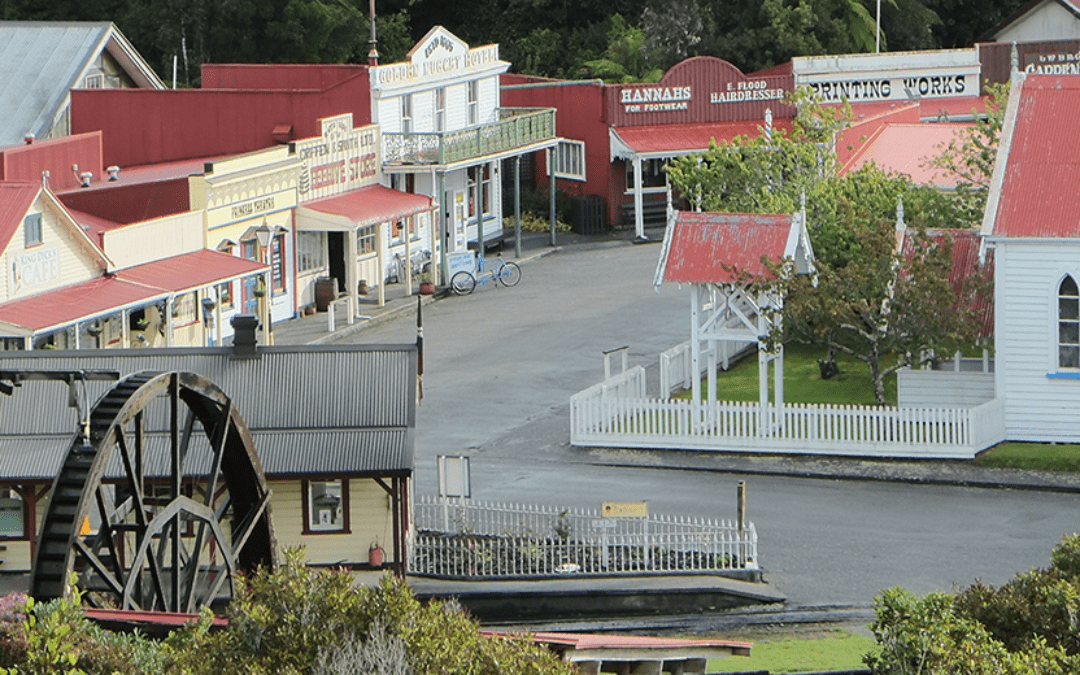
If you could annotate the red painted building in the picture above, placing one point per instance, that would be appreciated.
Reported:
(617, 136)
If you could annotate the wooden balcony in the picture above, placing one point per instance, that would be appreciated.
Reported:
(517, 129)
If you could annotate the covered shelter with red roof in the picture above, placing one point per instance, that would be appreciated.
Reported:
(720, 255)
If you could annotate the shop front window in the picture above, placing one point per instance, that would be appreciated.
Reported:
(653, 174)
(277, 263)
(473, 172)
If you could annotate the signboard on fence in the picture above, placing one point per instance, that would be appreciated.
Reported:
(455, 480)
(462, 261)
(625, 510)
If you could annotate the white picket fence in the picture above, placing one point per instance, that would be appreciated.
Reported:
(604, 416)
(465, 539)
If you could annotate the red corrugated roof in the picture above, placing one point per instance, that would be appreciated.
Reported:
(941, 107)
(16, 198)
(681, 138)
(74, 302)
(131, 286)
(371, 205)
(189, 271)
(965, 264)
(717, 247)
(586, 641)
(906, 149)
(1036, 197)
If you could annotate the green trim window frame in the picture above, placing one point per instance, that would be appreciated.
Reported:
(32, 234)
(1068, 324)
(326, 506)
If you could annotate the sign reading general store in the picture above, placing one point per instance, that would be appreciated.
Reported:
(341, 158)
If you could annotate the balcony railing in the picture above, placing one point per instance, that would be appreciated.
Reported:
(517, 128)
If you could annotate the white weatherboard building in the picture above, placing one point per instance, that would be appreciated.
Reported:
(445, 133)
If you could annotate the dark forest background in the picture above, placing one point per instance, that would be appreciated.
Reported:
(613, 39)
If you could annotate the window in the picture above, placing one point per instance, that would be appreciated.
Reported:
(365, 240)
(326, 506)
(309, 251)
(473, 170)
(440, 109)
(474, 102)
(277, 263)
(406, 113)
(570, 160)
(11, 514)
(95, 81)
(653, 174)
(225, 295)
(32, 230)
(1068, 324)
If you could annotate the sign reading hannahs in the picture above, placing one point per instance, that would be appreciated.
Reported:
(654, 99)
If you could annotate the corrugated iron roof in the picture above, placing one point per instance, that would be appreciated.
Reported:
(368, 206)
(312, 410)
(907, 149)
(1035, 198)
(41, 62)
(672, 647)
(718, 247)
(190, 270)
(16, 198)
(76, 301)
(685, 138)
(965, 264)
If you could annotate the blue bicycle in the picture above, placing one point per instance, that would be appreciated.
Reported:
(505, 273)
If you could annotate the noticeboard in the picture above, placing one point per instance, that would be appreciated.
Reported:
(624, 509)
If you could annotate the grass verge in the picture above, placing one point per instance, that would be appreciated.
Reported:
(797, 652)
(1032, 456)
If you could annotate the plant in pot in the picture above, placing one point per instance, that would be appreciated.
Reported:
(427, 284)
(94, 329)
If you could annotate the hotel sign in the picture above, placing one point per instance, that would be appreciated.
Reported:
(438, 55)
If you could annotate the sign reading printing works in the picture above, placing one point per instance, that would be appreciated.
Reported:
(341, 158)
(889, 77)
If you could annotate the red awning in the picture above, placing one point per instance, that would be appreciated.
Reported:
(367, 206)
(131, 287)
(190, 271)
(71, 303)
(666, 140)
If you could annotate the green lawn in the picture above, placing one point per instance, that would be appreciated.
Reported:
(796, 653)
(1038, 456)
(802, 380)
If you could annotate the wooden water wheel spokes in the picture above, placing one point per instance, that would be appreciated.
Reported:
(178, 514)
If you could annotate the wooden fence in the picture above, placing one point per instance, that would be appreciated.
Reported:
(606, 415)
(465, 539)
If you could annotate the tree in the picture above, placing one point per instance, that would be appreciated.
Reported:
(626, 58)
(1026, 627)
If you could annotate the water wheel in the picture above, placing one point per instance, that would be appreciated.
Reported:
(148, 512)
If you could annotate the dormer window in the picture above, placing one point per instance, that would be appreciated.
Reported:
(1068, 324)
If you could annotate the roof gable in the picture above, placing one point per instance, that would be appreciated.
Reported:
(1040, 147)
(722, 247)
(43, 61)
(16, 198)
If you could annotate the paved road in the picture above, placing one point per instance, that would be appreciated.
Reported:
(501, 365)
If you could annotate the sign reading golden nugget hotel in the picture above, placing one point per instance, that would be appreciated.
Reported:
(439, 54)
(340, 159)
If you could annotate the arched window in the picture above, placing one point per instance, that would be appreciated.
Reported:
(1068, 324)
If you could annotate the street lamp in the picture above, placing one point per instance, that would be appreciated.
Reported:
(264, 235)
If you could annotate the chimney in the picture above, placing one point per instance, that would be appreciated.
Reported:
(84, 178)
(244, 341)
(114, 173)
(29, 138)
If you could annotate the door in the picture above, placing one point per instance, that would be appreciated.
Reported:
(335, 249)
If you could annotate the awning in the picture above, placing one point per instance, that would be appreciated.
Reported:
(191, 271)
(369, 205)
(670, 140)
(128, 288)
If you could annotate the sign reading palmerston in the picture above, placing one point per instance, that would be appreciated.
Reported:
(703, 89)
(888, 77)
(340, 159)
(437, 55)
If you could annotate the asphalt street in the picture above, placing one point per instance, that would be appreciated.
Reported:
(501, 365)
